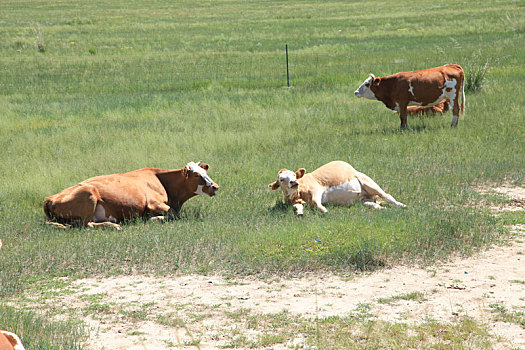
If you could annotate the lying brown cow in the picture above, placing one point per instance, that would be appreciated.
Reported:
(10, 341)
(109, 199)
(334, 183)
(425, 88)
(441, 108)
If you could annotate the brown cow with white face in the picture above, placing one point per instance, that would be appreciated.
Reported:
(10, 341)
(425, 88)
(334, 183)
(148, 193)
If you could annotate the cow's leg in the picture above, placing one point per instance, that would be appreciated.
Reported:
(369, 203)
(58, 225)
(403, 115)
(455, 110)
(105, 224)
(158, 210)
(298, 207)
(317, 201)
(372, 189)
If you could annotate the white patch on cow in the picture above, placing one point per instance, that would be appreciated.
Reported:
(396, 108)
(411, 88)
(199, 190)
(197, 169)
(343, 194)
(286, 179)
(365, 91)
(100, 214)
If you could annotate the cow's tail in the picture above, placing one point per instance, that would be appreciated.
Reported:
(463, 99)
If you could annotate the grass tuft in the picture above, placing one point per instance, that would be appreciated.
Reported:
(475, 76)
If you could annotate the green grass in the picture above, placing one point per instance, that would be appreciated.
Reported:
(37, 332)
(97, 87)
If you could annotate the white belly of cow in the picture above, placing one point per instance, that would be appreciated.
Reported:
(343, 194)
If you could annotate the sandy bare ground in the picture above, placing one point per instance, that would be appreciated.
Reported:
(139, 312)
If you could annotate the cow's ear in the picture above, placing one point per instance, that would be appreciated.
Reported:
(205, 166)
(274, 185)
(376, 81)
(299, 173)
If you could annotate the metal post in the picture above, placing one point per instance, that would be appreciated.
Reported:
(287, 73)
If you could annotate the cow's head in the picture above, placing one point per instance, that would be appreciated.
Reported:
(198, 180)
(287, 181)
(365, 90)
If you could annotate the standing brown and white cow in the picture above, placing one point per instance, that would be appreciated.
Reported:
(426, 88)
(334, 183)
(148, 193)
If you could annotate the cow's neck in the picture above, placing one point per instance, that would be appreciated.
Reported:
(174, 183)
(384, 92)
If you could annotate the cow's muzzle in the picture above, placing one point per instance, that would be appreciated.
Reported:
(212, 189)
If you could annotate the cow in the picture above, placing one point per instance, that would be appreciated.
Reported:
(10, 341)
(441, 108)
(334, 183)
(149, 193)
(426, 88)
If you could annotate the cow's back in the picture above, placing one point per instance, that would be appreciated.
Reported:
(126, 194)
(333, 173)
(122, 195)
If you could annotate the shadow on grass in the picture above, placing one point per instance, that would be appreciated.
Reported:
(279, 208)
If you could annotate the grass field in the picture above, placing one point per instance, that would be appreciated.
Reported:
(98, 87)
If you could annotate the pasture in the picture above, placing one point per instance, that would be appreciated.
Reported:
(100, 87)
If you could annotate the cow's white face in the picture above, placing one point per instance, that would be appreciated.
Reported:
(364, 90)
(288, 179)
(199, 175)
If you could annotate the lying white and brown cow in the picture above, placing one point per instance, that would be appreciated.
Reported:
(441, 108)
(426, 88)
(10, 341)
(109, 199)
(334, 183)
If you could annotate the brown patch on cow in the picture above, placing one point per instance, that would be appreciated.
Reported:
(448, 89)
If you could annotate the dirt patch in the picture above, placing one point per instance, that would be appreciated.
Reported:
(515, 197)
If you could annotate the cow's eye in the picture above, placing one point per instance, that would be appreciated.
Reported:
(367, 85)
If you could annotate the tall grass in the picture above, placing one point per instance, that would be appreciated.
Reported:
(127, 84)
